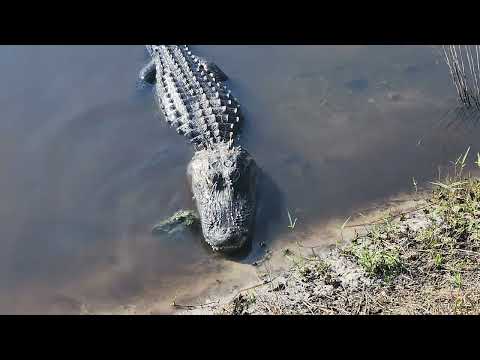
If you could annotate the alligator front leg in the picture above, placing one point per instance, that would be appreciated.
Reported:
(148, 73)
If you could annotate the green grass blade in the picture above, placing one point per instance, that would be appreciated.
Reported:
(465, 156)
(345, 223)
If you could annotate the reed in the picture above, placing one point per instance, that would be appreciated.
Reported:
(464, 64)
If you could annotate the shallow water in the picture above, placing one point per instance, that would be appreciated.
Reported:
(87, 166)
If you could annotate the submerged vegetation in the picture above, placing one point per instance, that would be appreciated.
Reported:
(425, 261)
(181, 220)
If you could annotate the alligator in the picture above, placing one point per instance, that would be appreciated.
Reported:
(194, 99)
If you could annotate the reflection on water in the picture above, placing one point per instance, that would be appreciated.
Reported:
(87, 168)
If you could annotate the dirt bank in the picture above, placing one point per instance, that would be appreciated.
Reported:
(420, 256)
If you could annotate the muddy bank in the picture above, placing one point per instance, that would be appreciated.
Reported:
(420, 256)
(304, 262)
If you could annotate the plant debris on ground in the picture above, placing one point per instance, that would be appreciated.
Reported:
(423, 262)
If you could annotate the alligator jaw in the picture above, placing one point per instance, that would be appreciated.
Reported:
(230, 246)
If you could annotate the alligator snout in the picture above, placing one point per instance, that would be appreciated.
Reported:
(225, 240)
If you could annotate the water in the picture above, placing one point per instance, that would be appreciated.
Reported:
(87, 167)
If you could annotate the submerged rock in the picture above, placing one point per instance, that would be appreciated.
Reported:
(179, 221)
(394, 96)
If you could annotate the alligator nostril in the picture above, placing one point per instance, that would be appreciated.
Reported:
(219, 181)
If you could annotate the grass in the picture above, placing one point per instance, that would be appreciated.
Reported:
(382, 262)
(313, 269)
(292, 223)
(374, 251)
(308, 267)
(452, 218)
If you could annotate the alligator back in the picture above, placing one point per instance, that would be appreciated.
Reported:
(193, 97)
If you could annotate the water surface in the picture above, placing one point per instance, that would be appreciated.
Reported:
(87, 167)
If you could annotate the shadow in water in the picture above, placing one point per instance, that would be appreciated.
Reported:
(460, 118)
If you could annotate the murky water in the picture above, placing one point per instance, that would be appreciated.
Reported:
(87, 167)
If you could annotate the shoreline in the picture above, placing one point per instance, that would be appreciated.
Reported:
(321, 240)
(400, 255)
(418, 256)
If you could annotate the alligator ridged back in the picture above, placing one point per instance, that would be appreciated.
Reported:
(193, 100)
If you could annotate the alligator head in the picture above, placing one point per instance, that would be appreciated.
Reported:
(223, 184)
